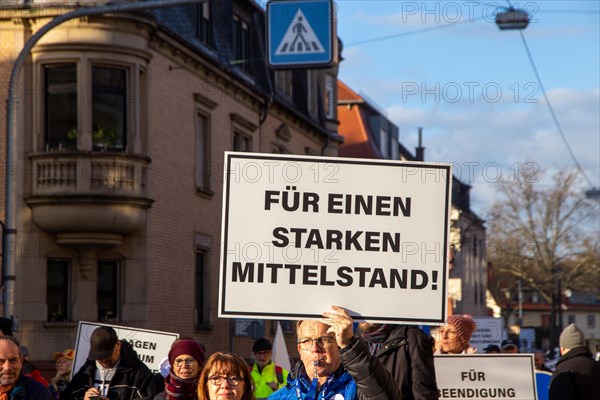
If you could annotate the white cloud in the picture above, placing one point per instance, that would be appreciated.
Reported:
(487, 141)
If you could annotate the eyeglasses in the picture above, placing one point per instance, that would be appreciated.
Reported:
(323, 341)
(217, 380)
(188, 361)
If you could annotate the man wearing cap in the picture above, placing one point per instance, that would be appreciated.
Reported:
(577, 375)
(267, 376)
(64, 364)
(113, 371)
(13, 383)
(509, 347)
(492, 349)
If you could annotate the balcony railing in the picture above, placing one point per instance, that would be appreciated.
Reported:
(89, 199)
(77, 173)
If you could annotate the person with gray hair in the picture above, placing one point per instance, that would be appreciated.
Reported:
(13, 383)
(577, 375)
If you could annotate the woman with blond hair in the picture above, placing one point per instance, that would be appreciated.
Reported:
(64, 363)
(225, 376)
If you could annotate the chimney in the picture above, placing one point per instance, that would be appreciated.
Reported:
(420, 150)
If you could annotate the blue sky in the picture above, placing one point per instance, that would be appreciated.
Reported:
(472, 87)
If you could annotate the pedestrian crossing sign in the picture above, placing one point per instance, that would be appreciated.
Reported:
(301, 33)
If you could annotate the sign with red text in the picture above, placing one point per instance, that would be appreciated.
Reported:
(485, 376)
(302, 233)
(151, 346)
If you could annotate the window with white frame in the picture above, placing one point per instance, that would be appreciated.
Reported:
(242, 129)
(90, 103)
(201, 18)
(203, 130)
(330, 96)
(107, 100)
(61, 106)
(109, 112)
(395, 150)
(241, 142)
(383, 142)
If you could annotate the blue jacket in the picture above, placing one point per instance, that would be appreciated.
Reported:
(28, 389)
(340, 383)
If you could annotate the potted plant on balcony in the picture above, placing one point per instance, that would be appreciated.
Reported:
(104, 138)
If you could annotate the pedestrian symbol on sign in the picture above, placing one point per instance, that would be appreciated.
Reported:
(299, 38)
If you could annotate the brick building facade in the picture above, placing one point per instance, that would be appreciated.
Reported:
(122, 121)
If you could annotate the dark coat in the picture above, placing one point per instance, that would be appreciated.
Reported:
(576, 377)
(28, 389)
(132, 379)
(161, 396)
(407, 357)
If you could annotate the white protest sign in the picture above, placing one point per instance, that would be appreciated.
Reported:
(489, 331)
(302, 233)
(483, 376)
(150, 346)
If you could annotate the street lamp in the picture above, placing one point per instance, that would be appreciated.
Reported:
(512, 18)
(593, 193)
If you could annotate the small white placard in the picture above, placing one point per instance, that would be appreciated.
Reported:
(486, 376)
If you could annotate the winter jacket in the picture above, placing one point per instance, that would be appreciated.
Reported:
(132, 379)
(340, 383)
(261, 379)
(405, 370)
(32, 371)
(57, 387)
(576, 377)
(29, 389)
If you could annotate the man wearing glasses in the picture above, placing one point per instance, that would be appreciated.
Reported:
(267, 376)
(113, 371)
(321, 374)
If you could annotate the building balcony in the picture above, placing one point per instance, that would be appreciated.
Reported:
(89, 199)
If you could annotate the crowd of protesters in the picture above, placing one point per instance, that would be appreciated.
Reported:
(338, 360)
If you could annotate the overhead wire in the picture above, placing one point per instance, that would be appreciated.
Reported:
(431, 28)
(551, 109)
(531, 61)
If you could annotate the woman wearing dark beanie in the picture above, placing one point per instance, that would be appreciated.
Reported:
(186, 358)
